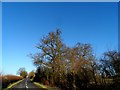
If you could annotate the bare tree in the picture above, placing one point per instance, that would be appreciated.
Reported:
(52, 49)
(69, 67)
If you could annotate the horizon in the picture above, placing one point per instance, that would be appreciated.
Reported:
(24, 24)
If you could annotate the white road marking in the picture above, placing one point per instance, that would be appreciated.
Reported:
(26, 85)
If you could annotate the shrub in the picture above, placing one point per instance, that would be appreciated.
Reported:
(7, 79)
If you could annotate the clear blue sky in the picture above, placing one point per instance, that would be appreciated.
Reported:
(25, 23)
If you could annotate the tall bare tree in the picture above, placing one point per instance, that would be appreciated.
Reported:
(51, 51)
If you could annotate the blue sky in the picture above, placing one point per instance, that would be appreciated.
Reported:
(60, 0)
(24, 24)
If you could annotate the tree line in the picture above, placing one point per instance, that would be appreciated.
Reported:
(74, 67)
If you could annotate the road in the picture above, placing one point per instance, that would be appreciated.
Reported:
(26, 84)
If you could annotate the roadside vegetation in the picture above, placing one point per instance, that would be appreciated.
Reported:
(8, 79)
(13, 84)
(74, 68)
(59, 66)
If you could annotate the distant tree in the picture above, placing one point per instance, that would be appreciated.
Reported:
(31, 75)
(22, 72)
(113, 58)
(110, 67)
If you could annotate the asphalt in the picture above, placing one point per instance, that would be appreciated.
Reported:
(26, 84)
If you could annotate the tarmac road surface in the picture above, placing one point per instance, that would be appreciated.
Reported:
(26, 84)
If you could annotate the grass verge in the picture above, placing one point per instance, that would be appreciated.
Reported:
(45, 87)
(13, 84)
(40, 85)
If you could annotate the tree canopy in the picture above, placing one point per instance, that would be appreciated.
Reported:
(73, 67)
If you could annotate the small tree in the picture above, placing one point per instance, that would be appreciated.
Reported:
(31, 75)
(22, 72)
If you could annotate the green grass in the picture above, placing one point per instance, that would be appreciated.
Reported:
(40, 85)
(13, 84)
(46, 87)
